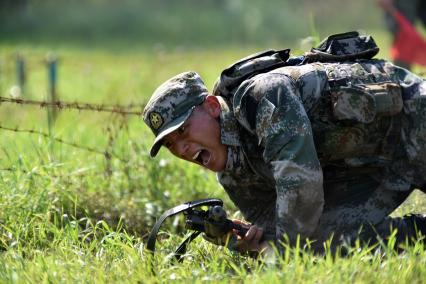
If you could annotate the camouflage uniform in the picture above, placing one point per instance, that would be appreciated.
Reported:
(325, 148)
(314, 150)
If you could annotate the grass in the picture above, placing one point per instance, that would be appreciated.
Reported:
(70, 215)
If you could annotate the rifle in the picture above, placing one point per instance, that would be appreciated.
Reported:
(213, 222)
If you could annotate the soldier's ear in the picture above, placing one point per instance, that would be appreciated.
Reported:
(212, 106)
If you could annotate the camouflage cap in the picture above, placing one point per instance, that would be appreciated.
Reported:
(171, 105)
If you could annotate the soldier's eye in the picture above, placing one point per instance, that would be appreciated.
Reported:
(181, 130)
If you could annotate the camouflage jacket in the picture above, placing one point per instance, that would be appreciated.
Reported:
(284, 126)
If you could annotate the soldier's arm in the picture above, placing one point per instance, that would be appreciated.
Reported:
(283, 128)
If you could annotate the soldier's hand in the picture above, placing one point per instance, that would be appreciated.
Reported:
(251, 242)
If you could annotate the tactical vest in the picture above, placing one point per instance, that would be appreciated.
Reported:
(377, 99)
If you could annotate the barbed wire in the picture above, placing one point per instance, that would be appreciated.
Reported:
(120, 109)
(106, 154)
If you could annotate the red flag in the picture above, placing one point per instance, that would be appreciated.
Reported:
(408, 46)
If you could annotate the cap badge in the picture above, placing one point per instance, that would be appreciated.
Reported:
(156, 120)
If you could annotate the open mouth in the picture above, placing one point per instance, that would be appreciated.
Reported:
(202, 157)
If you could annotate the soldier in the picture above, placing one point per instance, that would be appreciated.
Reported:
(310, 150)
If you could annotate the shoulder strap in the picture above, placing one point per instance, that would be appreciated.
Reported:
(261, 62)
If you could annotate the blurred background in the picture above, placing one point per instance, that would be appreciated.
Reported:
(184, 23)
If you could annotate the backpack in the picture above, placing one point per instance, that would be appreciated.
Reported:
(335, 48)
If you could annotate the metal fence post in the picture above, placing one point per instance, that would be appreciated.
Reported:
(52, 74)
(20, 73)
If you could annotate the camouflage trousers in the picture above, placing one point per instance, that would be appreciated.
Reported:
(364, 197)
(358, 205)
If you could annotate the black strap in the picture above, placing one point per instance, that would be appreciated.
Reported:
(319, 56)
(182, 248)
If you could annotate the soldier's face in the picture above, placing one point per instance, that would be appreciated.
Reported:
(198, 139)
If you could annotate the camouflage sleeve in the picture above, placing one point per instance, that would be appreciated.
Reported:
(284, 130)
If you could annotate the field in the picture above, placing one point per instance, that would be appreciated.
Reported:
(79, 197)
